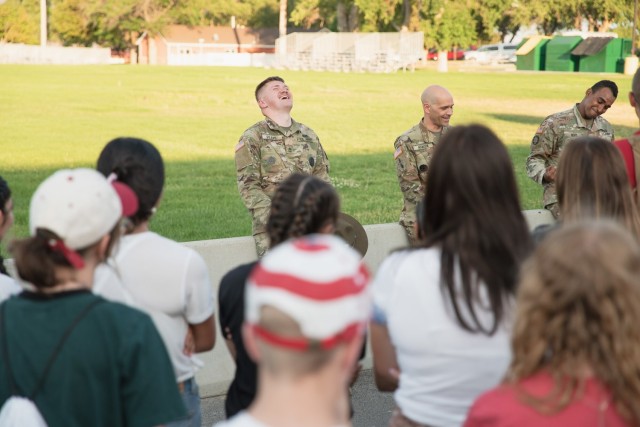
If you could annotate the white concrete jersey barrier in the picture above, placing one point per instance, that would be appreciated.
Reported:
(222, 255)
(11, 53)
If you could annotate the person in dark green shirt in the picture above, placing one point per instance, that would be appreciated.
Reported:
(107, 363)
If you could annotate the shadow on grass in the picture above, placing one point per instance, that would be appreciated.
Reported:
(201, 198)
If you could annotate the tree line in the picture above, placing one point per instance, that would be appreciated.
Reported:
(447, 24)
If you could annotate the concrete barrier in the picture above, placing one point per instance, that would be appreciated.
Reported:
(222, 255)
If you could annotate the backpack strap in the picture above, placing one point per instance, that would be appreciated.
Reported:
(54, 354)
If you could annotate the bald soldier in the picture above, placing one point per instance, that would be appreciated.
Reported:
(557, 130)
(270, 151)
(414, 148)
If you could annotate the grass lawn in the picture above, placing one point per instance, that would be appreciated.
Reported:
(57, 116)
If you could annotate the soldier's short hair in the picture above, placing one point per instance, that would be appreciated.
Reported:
(608, 84)
(265, 81)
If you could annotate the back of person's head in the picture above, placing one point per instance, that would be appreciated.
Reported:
(70, 213)
(472, 213)
(578, 312)
(302, 204)
(7, 218)
(5, 195)
(307, 299)
(592, 183)
(138, 164)
(608, 84)
(635, 85)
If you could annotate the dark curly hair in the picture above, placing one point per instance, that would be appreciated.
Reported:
(5, 195)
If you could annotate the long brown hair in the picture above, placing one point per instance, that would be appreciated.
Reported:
(592, 183)
(472, 213)
(579, 309)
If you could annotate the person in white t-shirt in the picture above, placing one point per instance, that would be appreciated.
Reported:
(440, 329)
(8, 285)
(306, 307)
(161, 277)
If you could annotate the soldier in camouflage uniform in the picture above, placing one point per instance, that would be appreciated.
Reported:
(413, 151)
(270, 151)
(561, 128)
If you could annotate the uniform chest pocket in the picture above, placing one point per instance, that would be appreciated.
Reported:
(302, 153)
(423, 157)
(271, 163)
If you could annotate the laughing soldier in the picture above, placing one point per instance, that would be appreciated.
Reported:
(270, 151)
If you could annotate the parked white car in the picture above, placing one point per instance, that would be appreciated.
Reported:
(492, 53)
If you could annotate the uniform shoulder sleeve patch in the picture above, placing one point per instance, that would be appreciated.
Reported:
(397, 153)
(242, 155)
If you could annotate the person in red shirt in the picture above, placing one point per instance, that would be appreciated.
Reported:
(576, 344)
(630, 147)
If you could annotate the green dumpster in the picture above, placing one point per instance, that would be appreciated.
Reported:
(602, 54)
(531, 53)
(558, 55)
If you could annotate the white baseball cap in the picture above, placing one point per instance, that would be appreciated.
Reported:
(80, 206)
(317, 280)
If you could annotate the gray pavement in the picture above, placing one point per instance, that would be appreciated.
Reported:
(372, 408)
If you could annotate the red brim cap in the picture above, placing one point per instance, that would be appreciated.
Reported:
(127, 197)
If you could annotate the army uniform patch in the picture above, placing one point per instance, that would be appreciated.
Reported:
(535, 140)
(397, 153)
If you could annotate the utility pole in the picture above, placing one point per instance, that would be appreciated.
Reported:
(43, 23)
(633, 28)
(282, 33)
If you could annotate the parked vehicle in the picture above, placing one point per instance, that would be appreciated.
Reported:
(493, 53)
(452, 55)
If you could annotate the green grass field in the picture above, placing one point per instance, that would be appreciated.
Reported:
(55, 116)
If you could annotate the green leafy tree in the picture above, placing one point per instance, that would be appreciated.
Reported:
(448, 24)
(20, 22)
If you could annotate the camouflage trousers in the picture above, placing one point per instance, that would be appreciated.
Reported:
(262, 243)
(554, 208)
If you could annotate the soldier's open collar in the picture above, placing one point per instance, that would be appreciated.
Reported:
(295, 127)
(598, 122)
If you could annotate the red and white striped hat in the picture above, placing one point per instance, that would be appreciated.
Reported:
(317, 280)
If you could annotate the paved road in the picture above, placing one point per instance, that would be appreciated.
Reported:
(372, 408)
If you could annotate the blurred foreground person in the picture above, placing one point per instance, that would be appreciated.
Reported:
(307, 305)
(83, 360)
(166, 279)
(592, 184)
(302, 205)
(442, 311)
(576, 342)
(8, 286)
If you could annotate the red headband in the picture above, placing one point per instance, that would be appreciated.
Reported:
(72, 256)
(304, 344)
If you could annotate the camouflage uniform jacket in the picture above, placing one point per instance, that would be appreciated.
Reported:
(413, 151)
(266, 155)
(554, 133)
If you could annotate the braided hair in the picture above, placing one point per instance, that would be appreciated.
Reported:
(302, 204)
(5, 195)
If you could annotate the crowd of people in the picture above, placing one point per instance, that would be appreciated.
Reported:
(476, 322)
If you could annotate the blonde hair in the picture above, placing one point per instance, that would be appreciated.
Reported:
(592, 183)
(281, 361)
(578, 310)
